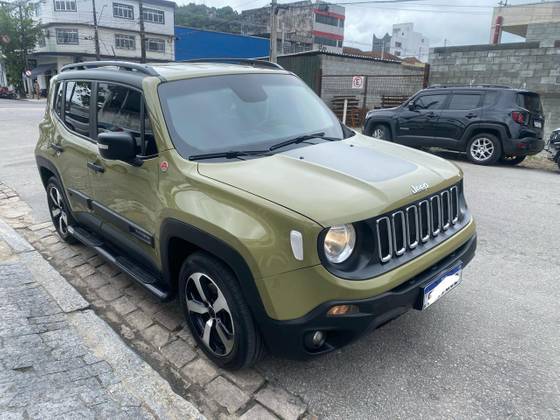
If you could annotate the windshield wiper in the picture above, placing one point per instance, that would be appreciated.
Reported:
(232, 154)
(300, 139)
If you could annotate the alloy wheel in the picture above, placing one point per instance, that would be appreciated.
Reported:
(58, 210)
(210, 314)
(482, 149)
(379, 133)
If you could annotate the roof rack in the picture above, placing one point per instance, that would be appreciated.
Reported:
(242, 61)
(125, 65)
(468, 86)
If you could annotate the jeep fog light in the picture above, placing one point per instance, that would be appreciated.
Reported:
(339, 310)
(339, 243)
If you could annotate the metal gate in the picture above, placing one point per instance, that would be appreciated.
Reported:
(361, 93)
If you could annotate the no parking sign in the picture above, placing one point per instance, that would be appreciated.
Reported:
(357, 82)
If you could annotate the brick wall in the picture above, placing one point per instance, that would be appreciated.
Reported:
(532, 65)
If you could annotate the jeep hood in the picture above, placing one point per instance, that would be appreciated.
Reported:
(339, 182)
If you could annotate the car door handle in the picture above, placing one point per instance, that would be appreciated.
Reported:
(431, 115)
(57, 147)
(471, 115)
(95, 167)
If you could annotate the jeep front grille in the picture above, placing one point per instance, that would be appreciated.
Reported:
(405, 229)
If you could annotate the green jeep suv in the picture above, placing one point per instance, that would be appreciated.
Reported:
(230, 185)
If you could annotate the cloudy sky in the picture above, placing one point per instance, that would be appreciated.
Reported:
(456, 22)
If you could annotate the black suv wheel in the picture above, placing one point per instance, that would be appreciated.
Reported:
(381, 131)
(59, 210)
(217, 314)
(484, 149)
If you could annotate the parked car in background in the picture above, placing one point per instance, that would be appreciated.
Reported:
(553, 147)
(489, 123)
(7, 93)
(277, 227)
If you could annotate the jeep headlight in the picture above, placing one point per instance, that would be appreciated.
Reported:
(339, 243)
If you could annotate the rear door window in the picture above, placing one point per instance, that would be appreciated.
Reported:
(463, 101)
(76, 107)
(430, 101)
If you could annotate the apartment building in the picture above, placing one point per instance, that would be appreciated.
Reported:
(406, 42)
(69, 35)
(302, 26)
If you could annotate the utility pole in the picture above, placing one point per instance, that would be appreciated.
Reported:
(273, 30)
(23, 45)
(142, 33)
(95, 32)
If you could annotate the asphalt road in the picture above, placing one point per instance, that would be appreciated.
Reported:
(489, 349)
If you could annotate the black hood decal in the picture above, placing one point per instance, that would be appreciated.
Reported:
(359, 162)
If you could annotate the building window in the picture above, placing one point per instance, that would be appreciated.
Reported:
(327, 20)
(341, 23)
(123, 11)
(398, 44)
(398, 53)
(325, 41)
(66, 36)
(153, 15)
(65, 5)
(125, 42)
(155, 45)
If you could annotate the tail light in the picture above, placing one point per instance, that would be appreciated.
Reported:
(519, 117)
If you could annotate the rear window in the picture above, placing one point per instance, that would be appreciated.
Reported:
(530, 101)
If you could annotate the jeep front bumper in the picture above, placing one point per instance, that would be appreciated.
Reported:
(287, 338)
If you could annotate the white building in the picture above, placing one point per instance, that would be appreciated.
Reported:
(68, 32)
(405, 42)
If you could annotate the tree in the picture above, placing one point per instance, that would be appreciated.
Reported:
(18, 35)
(224, 19)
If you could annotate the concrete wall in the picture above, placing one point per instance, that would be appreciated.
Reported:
(533, 65)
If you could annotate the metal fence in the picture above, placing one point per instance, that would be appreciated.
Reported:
(365, 92)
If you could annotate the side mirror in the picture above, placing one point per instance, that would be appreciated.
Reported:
(411, 106)
(117, 145)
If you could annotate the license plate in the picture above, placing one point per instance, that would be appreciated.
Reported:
(538, 124)
(441, 285)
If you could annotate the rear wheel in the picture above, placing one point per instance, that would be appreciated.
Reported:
(59, 210)
(512, 160)
(381, 131)
(217, 314)
(484, 149)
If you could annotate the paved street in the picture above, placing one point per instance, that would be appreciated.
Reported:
(58, 360)
(489, 349)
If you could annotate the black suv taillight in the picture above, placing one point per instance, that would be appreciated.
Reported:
(520, 117)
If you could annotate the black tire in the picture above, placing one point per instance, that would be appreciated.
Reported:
(512, 160)
(381, 131)
(484, 149)
(225, 332)
(59, 210)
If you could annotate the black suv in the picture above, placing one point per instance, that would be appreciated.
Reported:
(489, 123)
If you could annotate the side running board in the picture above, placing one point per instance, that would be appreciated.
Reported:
(149, 281)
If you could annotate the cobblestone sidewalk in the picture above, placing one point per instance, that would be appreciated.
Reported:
(154, 329)
(49, 365)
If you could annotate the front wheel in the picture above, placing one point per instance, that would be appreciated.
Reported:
(512, 160)
(217, 314)
(484, 149)
(59, 210)
(381, 131)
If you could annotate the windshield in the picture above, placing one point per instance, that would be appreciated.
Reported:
(240, 112)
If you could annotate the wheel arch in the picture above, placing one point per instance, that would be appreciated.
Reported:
(495, 129)
(47, 170)
(178, 240)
